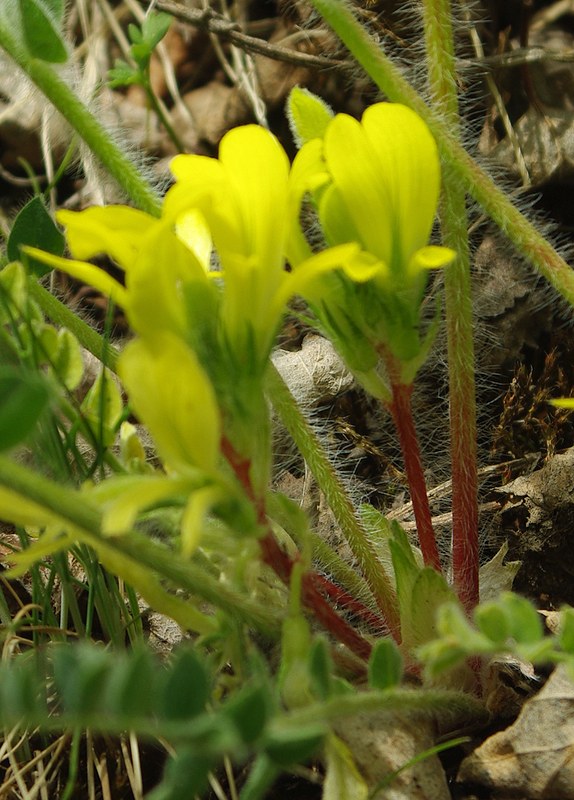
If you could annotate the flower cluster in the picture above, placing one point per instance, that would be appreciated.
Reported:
(205, 286)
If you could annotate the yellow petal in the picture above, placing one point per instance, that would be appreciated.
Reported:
(431, 257)
(114, 230)
(173, 396)
(407, 159)
(87, 273)
(156, 281)
(191, 229)
(257, 169)
(386, 171)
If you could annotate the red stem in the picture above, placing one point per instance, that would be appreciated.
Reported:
(400, 408)
(343, 598)
(282, 564)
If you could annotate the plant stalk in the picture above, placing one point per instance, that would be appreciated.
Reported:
(437, 17)
(112, 158)
(282, 564)
(400, 408)
(85, 523)
(330, 484)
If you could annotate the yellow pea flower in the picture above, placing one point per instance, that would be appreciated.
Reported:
(375, 182)
(382, 184)
(247, 199)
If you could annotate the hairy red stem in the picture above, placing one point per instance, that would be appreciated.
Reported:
(312, 598)
(282, 564)
(400, 408)
(343, 598)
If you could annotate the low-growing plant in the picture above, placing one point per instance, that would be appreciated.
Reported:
(199, 534)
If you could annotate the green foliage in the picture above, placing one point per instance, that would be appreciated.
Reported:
(41, 29)
(308, 115)
(508, 625)
(385, 665)
(144, 41)
(24, 396)
(34, 226)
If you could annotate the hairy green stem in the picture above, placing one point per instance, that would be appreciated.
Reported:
(312, 451)
(339, 14)
(437, 15)
(115, 161)
(133, 550)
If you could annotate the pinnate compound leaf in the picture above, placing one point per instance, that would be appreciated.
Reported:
(385, 665)
(24, 396)
(40, 30)
(34, 227)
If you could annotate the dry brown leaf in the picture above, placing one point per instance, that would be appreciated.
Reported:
(383, 742)
(534, 757)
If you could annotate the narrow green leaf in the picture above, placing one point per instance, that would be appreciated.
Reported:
(385, 665)
(321, 668)
(23, 397)
(34, 227)
(40, 29)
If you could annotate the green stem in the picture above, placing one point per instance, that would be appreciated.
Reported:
(312, 451)
(460, 344)
(162, 116)
(115, 161)
(133, 551)
(339, 14)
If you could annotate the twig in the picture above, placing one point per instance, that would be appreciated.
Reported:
(212, 22)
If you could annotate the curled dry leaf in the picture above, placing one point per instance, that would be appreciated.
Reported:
(534, 757)
(384, 742)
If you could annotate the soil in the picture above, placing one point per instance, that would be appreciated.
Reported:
(525, 335)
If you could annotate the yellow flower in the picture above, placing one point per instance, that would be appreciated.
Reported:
(158, 261)
(378, 184)
(246, 197)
